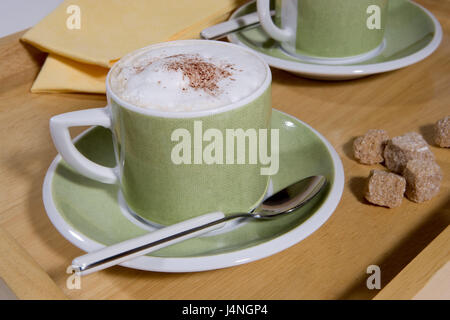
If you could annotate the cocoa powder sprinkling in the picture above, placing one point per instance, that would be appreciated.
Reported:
(140, 68)
(201, 74)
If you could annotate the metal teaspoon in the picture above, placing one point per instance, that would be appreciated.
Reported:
(283, 202)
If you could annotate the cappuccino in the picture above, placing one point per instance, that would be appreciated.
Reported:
(180, 78)
(190, 122)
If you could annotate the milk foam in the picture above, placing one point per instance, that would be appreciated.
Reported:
(147, 80)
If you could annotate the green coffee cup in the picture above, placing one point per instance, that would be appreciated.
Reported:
(154, 185)
(327, 31)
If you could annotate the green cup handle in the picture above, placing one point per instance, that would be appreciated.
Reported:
(265, 18)
(59, 129)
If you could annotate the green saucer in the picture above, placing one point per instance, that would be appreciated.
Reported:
(88, 214)
(412, 34)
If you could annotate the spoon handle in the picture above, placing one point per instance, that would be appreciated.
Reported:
(132, 248)
(223, 29)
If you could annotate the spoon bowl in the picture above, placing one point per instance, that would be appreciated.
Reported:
(282, 203)
(290, 198)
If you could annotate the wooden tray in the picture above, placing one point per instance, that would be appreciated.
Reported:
(20, 276)
(330, 264)
(427, 277)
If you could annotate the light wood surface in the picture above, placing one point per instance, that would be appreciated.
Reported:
(438, 287)
(426, 277)
(5, 292)
(329, 264)
(20, 276)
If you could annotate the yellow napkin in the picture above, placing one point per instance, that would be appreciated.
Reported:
(108, 29)
(60, 74)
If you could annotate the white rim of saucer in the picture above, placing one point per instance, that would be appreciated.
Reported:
(211, 262)
(354, 70)
(339, 61)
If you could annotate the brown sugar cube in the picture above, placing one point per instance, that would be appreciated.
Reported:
(385, 188)
(423, 179)
(442, 132)
(401, 149)
(368, 149)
